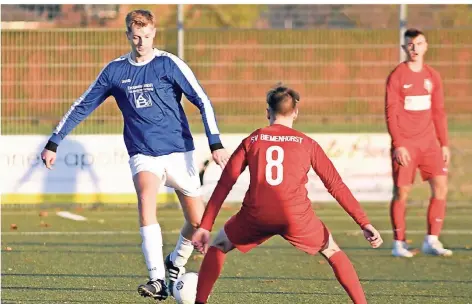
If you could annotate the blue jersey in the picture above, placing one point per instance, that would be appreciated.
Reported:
(148, 95)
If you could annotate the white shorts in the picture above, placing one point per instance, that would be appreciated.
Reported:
(177, 170)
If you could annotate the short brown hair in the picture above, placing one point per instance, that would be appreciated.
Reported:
(139, 18)
(282, 100)
(413, 33)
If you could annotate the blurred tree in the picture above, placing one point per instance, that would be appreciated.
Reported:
(454, 16)
(218, 16)
(372, 16)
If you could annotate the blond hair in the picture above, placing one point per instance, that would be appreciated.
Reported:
(139, 18)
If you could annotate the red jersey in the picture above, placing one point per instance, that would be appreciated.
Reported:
(279, 159)
(414, 106)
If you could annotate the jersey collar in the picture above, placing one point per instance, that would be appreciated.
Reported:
(132, 62)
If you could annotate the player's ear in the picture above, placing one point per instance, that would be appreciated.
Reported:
(295, 113)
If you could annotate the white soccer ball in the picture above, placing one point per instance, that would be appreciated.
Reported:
(185, 288)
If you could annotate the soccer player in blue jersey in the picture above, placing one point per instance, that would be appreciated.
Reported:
(147, 85)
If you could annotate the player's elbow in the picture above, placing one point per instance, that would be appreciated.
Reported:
(337, 188)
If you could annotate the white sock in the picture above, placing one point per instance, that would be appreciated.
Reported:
(152, 250)
(182, 252)
(431, 238)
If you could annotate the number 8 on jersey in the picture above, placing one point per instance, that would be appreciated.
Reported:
(277, 163)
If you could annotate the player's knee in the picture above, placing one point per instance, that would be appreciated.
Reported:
(218, 246)
(194, 223)
(401, 193)
(224, 246)
(222, 242)
(440, 191)
(330, 248)
(194, 220)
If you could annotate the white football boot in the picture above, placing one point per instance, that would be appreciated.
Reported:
(432, 246)
(400, 249)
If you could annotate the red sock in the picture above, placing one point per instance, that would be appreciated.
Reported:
(436, 213)
(347, 277)
(209, 272)
(397, 217)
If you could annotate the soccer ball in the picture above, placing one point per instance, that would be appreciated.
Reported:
(185, 288)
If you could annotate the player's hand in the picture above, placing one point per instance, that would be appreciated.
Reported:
(49, 158)
(372, 236)
(446, 154)
(402, 156)
(201, 240)
(220, 157)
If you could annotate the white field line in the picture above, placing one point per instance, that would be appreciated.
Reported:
(322, 214)
(129, 232)
(71, 216)
(412, 217)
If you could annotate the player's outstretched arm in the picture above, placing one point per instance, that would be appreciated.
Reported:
(95, 95)
(186, 80)
(336, 187)
(236, 165)
(331, 179)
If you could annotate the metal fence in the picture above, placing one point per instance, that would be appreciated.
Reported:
(339, 73)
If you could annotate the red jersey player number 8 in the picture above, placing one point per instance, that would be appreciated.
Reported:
(274, 162)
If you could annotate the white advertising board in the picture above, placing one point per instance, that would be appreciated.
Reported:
(98, 164)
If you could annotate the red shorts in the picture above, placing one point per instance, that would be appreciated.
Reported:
(309, 234)
(428, 159)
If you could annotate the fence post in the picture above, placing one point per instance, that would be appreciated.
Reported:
(403, 21)
(180, 31)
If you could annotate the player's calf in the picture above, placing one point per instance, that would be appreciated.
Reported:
(344, 271)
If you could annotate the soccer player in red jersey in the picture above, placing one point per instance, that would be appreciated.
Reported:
(417, 124)
(276, 202)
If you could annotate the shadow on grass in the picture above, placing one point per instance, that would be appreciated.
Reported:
(245, 278)
(432, 296)
(11, 301)
(267, 292)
